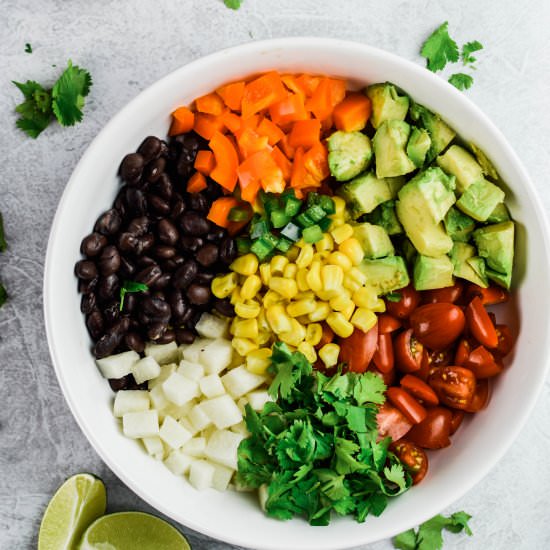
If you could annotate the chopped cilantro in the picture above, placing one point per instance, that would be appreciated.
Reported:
(468, 49)
(28, 48)
(393, 296)
(36, 110)
(3, 244)
(461, 81)
(233, 4)
(131, 286)
(3, 295)
(439, 49)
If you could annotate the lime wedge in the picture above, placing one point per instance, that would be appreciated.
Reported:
(75, 505)
(130, 531)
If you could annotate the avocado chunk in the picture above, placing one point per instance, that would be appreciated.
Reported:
(395, 184)
(385, 274)
(440, 133)
(485, 163)
(389, 149)
(480, 199)
(501, 279)
(430, 273)
(385, 216)
(408, 251)
(499, 214)
(467, 265)
(462, 165)
(349, 154)
(364, 193)
(418, 146)
(458, 226)
(495, 243)
(387, 104)
(374, 240)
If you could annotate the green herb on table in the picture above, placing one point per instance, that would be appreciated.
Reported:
(233, 4)
(3, 248)
(461, 81)
(131, 286)
(439, 49)
(28, 48)
(468, 49)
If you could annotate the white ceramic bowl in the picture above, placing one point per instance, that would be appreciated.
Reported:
(236, 517)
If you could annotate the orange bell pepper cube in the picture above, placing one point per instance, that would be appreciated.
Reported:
(286, 148)
(250, 142)
(316, 161)
(288, 110)
(207, 125)
(300, 176)
(308, 83)
(219, 211)
(183, 120)
(352, 114)
(232, 94)
(282, 162)
(211, 104)
(260, 170)
(196, 183)
(289, 81)
(204, 162)
(273, 133)
(227, 161)
(232, 121)
(305, 133)
(261, 93)
(337, 90)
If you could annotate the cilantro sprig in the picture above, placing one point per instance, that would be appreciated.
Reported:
(233, 4)
(131, 286)
(3, 248)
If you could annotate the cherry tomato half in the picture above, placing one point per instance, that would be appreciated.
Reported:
(440, 358)
(410, 298)
(408, 351)
(383, 356)
(456, 420)
(424, 371)
(433, 432)
(455, 386)
(391, 422)
(462, 352)
(488, 296)
(505, 340)
(481, 397)
(388, 377)
(413, 457)
(480, 324)
(407, 404)
(437, 326)
(357, 350)
(450, 294)
(326, 337)
(387, 323)
(483, 363)
(419, 389)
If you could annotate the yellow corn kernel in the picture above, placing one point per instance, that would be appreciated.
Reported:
(352, 249)
(303, 320)
(339, 258)
(263, 325)
(292, 254)
(271, 297)
(339, 207)
(278, 264)
(340, 302)
(258, 360)
(250, 287)
(301, 279)
(243, 346)
(235, 296)
(329, 354)
(301, 307)
(322, 311)
(264, 336)
(248, 309)
(380, 306)
(336, 222)
(305, 256)
(350, 283)
(313, 277)
(326, 244)
(347, 312)
(341, 233)
(332, 277)
(338, 323)
(365, 297)
(278, 319)
(309, 351)
(357, 275)
(222, 287)
(314, 333)
(287, 288)
(265, 274)
(364, 319)
(245, 265)
(305, 295)
(295, 335)
(321, 256)
(245, 328)
(290, 271)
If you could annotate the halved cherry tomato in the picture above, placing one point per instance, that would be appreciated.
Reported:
(419, 389)
(455, 386)
(480, 324)
(433, 432)
(456, 420)
(410, 298)
(408, 351)
(407, 404)
(450, 294)
(413, 457)
(440, 358)
(488, 296)
(505, 340)
(388, 377)
(326, 337)
(483, 363)
(481, 397)
(387, 323)
(391, 422)
(462, 352)
(425, 366)
(437, 326)
(357, 350)
(383, 356)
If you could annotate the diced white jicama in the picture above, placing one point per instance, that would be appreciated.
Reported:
(198, 418)
(173, 433)
(194, 371)
(180, 389)
(178, 463)
(140, 424)
(208, 431)
(145, 369)
(222, 411)
(192, 352)
(158, 398)
(153, 445)
(188, 426)
(119, 365)
(257, 399)
(163, 353)
(130, 401)
(201, 474)
(165, 372)
(240, 380)
(216, 356)
(241, 429)
(222, 477)
(222, 448)
(211, 326)
(177, 411)
(241, 403)
(211, 386)
(195, 446)
(263, 495)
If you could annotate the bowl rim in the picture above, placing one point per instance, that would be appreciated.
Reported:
(257, 47)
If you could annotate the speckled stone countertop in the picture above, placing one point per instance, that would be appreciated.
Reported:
(127, 45)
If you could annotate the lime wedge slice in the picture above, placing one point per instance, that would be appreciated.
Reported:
(75, 505)
(130, 531)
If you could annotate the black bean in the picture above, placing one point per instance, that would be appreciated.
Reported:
(156, 308)
(168, 265)
(207, 255)
(163, 187)
(133, 385)
(185, 274)
(137, 203)
(158, 205)
(107, 344)
(191, 244)
(178, 306)
(148, 275)
(167, 232)
(108, 223)
(128, 243)
(134, 341)
(187, 316)
(127, 268)
(228, 250)
(156, 330)
(118, 384)
(154, 170)
(108, 287)
(179, 260)
(93, 244)
(130, 302)
(120, 202)
(85, 269)
(168, 336)
(198, 202)
(145, 261)
(95, 324)
(163, 148)
(216, 234)
(111, 313)
(139, 226)
(131, 167)
(87, 286)
(198, 294)
(109, 260)
(147, 242)
(162, 282)
(194, 224)
(193, 319)
(204, 278)
(184, 166)
(150, 148)
(163, 252)
(184, 336)
(178, 206)
(224, 307)
(213, 191)
(88, 303)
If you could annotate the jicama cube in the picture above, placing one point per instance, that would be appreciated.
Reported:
(173, 433)
(241, 429)
(177, 411)
(140, 424)
(163, 353)
(201, 474)
(180, 389)
(178, 463)
(222, 477)
(211, 326)
(222, 411)
(153, 445)
(119, 365)
(188, 426)
(191, 352)
(211, 386)
(216, 356)
(194, 371)
(145, 369)
(158, 398)
(241, 403)
(198, 418)
(257, 399)
(130, 401)
(208, 431)
(165, 372)
(239, 381)
(222, 448)
(195, 446)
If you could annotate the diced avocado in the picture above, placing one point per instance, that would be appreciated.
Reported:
(499, 214)
(501, 279)
(458, 226)
(364, 193)
(349, 154)
(385, 274)
(389, 144)
(430, 273)
(495, 243)
(461, 164)
(408, 251)
(374, 240)
(418, 146)
(385, 216)
(480, 199)
(395, 184)
(486, 164)
(462, 256)
(440, 133)
(387, 104)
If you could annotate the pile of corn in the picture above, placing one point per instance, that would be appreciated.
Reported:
(287, 298)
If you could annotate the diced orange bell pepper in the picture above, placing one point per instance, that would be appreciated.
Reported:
(352, 114)
(273, 133)
(219, 211)
(204, 162)
(231, 121)
(196, 183)
(305, 133)
(282, 162)
(227, 161)
(320, 103)
(300, 176)
(261, 93)
(288, 110)
(232, 94)
(316, 161)
(260, 167)
(289, 81)
(207, 125)
(308, 83)
(286, 148)
(183, 120)
(250, 142)
(211, 104)
(337, 90)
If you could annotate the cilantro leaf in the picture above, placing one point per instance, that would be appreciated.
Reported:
(369, 387)
(130, 286)
(3, 295)
(396, 474)
(233, 4)
(439, 49)
(405, 540)
(68, 94)
(28, 48)
(288, 368)
(36, 110)
(461, 81)
(468, 49)
(3, 243)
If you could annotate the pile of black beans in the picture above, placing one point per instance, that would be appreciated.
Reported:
(157, 234)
